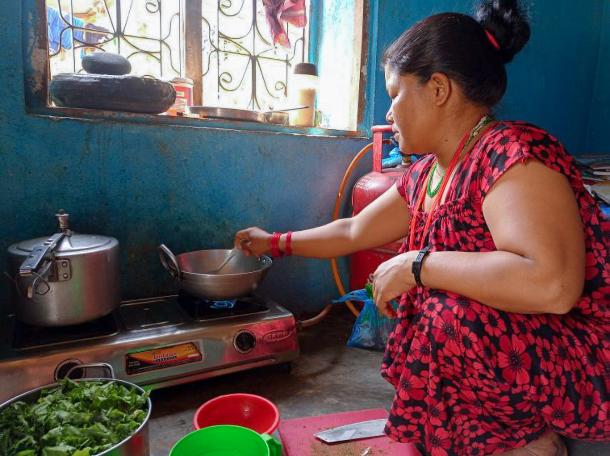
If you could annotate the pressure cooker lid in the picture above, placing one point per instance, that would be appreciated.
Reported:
(68, 243)
(74, 244)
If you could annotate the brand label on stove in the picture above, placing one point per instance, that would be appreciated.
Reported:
(277, 335)
(163, 357)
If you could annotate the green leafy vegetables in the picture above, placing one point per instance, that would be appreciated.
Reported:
(75, 419)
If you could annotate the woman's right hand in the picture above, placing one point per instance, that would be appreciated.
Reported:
(253, 241)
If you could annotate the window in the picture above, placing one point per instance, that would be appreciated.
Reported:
(226, 46)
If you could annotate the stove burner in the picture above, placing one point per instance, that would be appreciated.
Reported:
(223, 304)
(28, 336)
(202, 309)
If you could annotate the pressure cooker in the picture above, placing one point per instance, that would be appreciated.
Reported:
(66, 278)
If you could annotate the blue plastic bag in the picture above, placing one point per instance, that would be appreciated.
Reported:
(371, 329)
(394, 159)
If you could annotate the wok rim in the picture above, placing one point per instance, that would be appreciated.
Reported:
(265, 259)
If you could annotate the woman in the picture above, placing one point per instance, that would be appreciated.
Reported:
(503, 333)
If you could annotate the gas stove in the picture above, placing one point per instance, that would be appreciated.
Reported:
(153, 342)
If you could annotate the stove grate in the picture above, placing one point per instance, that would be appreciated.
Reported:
(29, 336)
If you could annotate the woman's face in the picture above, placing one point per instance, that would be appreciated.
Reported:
(411, 112)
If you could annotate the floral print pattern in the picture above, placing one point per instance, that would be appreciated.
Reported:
(474, 380)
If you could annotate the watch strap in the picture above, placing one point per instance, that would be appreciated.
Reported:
(417, 265)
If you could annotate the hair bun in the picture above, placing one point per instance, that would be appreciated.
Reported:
(507, 22)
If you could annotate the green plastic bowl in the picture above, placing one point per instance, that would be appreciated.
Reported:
(226, 440)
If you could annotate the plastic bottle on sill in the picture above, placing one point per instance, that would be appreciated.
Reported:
(303, 90)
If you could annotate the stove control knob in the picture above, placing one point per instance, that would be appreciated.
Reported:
(244, 341)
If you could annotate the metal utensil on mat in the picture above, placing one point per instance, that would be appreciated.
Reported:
(354, 431)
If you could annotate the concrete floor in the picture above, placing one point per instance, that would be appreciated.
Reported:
(328, 377)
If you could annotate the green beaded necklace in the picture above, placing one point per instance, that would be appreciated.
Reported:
(431, 192)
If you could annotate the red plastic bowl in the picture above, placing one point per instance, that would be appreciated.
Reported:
(247, 410)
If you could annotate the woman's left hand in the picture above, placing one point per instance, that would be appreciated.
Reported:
(391, 279)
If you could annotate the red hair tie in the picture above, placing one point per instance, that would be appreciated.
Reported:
(492, 40)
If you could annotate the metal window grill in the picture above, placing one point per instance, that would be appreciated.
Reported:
(228, 52)
(239, 52)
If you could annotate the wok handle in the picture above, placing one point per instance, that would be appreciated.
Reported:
(169, 262)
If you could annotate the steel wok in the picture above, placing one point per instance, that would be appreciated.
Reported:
(239, 277)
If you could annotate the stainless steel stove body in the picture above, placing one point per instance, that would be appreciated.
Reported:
(154, 343)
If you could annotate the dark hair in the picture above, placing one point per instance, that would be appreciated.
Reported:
(457, 45)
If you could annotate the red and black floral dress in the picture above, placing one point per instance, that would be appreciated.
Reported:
(473, 380)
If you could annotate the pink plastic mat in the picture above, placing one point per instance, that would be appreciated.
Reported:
(298, 439)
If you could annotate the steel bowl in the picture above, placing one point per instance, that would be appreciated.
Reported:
(240, 276)
(136, 444)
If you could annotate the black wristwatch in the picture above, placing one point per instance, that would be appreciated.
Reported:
(417, 264)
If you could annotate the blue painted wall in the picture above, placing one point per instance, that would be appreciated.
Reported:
(193, 187)
(599, 114)
(551, 80)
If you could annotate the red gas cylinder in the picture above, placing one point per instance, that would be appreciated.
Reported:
(367, 189)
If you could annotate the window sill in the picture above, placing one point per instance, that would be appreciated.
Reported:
(154, 119)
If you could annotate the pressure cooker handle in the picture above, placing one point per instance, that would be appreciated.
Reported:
(38, 254)
(41, 277)
(169, 262)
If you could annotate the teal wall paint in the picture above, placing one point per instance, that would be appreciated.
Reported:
(188, 187)
(550, 80)
(599, 116)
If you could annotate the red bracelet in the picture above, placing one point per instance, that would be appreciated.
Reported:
(288, 246)
(275, 245)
